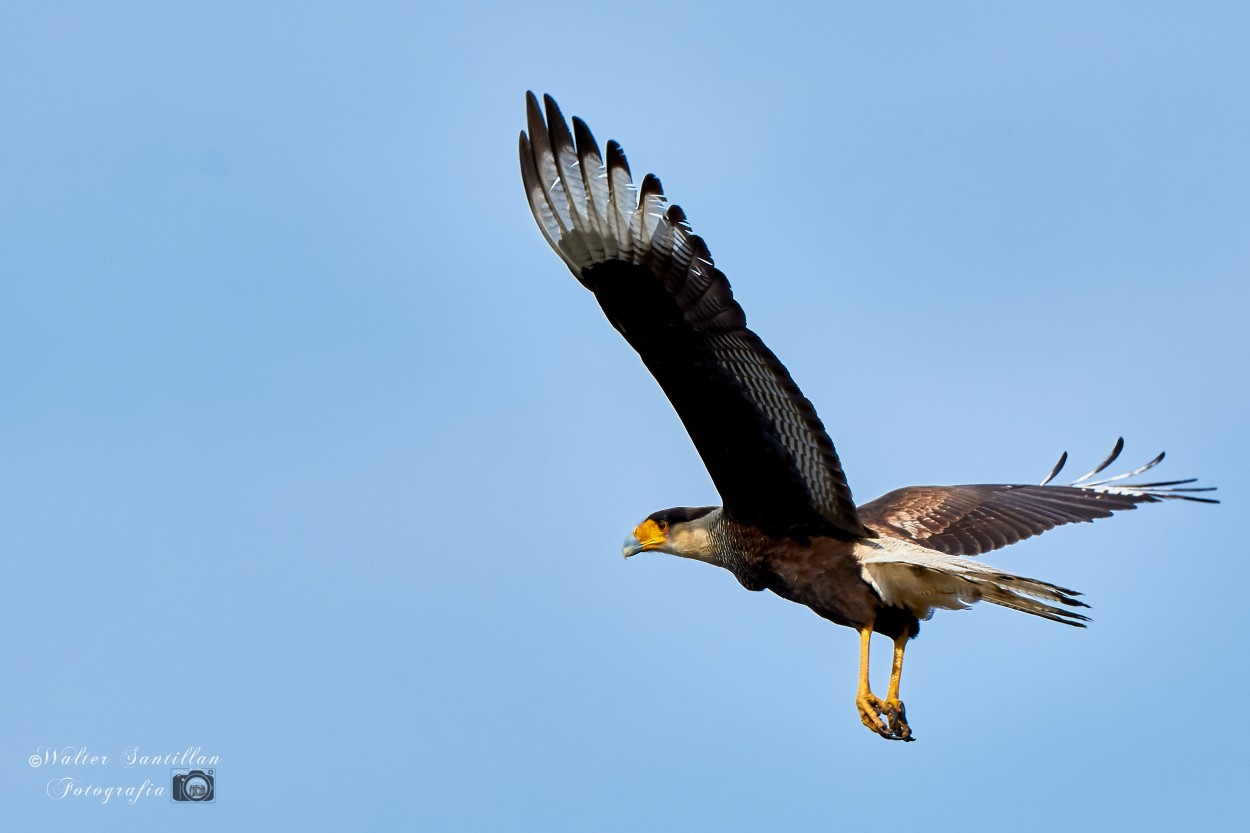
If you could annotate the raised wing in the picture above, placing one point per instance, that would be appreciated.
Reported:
(970, 520)
(760, 438)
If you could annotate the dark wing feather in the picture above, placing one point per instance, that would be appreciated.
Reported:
(970, 520)
(764, 447)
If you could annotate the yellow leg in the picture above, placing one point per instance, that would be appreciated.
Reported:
(893, 707)
(870, 708)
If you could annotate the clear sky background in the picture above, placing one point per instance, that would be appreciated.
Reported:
(315, 457)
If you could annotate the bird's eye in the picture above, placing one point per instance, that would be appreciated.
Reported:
(663, 525)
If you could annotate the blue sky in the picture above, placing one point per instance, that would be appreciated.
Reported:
(317, 459)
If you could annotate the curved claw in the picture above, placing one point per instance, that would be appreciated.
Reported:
(897, 715)
(871, 711)
(874, 713)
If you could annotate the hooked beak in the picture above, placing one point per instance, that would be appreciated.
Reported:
(632, 546)
(646, 536)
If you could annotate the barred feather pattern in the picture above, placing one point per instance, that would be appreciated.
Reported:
(591, 212)
(593, 215)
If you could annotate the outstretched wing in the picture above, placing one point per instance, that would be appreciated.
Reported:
(760, 438)
(970, 520)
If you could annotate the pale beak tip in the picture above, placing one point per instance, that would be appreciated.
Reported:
(632, 546)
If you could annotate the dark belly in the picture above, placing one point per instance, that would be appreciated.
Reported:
(825, 577)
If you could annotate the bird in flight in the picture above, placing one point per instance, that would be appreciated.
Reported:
(787, 523)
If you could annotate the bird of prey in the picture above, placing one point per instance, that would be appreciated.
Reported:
(787, 523)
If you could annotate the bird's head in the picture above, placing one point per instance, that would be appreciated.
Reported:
(683, 531)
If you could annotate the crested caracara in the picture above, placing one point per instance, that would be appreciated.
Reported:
(787, 523)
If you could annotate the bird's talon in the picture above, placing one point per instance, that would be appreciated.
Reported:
(875, 713)
(871, 712)
(897, 715)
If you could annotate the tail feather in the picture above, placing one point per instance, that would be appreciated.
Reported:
(922, 580)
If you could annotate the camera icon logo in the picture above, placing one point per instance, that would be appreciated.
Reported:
(193, 785)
